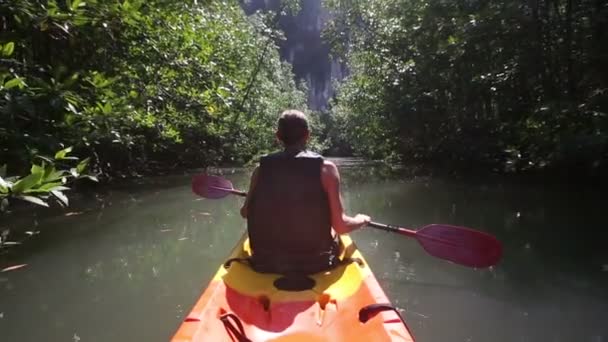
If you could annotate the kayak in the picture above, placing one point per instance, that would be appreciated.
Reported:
(343, 304)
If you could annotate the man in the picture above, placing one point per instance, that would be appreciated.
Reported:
(292, 204)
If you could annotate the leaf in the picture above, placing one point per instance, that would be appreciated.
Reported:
(33, 199)
(63, 199)
(72, 109)
(37, 169)
(82, 165)
(48, 187)
(46, 159)
(76, 4)
(4, 186)
(62, 154)
(11, 243)
(27, 183)
(51, 174)
(15, 82)
(58, 188)
(12, 268)
(8, 49)
(65, 28)
(107, 108)
(91, 177)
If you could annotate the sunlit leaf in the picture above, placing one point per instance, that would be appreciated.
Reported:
(4, 186)
(33, 199)
(37, 169)
(12, 268)
(46, 159)
(63, 153)
(107, 108)
(82, 165)
(90, 177)
(10, 243)
(27, 182)
(76, 4)
(71, 108)
(63, 199)
(15, 82)
(8, 49)
(48, 187)
(53, 175)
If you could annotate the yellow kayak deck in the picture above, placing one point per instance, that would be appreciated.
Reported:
(241, 305)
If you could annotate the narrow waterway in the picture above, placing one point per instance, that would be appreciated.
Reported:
(128, 264)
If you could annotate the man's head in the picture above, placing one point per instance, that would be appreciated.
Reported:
(293, 128)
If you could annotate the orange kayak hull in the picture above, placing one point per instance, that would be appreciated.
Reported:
(240, 304)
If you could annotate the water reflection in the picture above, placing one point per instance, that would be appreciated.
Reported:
(130, 263)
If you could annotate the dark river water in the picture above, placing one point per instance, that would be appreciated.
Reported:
(128, 264)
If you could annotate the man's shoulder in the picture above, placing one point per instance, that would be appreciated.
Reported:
(329, 169)
(329, 163)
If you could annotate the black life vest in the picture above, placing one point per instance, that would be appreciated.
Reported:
(288, 218)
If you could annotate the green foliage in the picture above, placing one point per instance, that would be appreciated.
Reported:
(522, 84)
(139, 84)
(46, 180)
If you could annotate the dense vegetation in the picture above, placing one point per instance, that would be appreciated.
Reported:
(145, 85)
(504, 85)
(139, 85)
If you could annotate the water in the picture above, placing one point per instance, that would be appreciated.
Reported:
(128, 265)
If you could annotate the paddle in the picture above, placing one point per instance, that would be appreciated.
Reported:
(460, 245)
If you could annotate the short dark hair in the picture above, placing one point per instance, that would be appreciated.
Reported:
(293, 126)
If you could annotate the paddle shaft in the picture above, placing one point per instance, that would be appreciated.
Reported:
(393, 229)
(416, 234)
(232, 191)
(382, 226)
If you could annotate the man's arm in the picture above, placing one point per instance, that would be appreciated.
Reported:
(252, 183)
(342, 223)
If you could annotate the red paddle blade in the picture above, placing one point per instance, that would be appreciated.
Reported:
(212, 187)
(460, 245)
